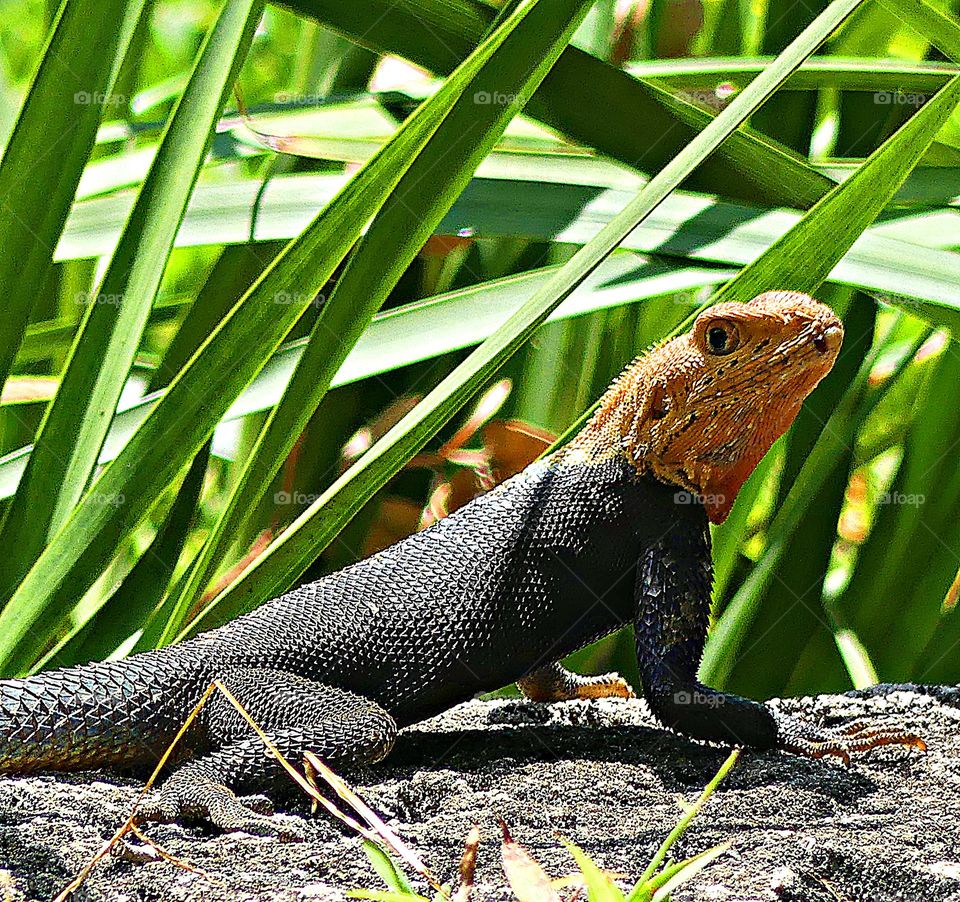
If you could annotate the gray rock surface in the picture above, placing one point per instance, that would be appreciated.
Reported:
(598, 773)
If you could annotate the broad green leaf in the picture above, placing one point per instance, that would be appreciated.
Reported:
(438, 33)
(887, 258)
(394, 238)
(71, 436)
(287, 558)
(202, 392)
(60, 114)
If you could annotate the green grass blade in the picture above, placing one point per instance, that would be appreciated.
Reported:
(394, 238)
(387, 868)
(661, 854)
(675, 875)
(72, 433)
(61, 114)
(600, 888)
(287, 558)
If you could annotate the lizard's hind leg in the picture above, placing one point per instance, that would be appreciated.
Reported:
(554, 683)
(298, 715)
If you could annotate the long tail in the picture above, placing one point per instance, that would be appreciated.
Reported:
(120, 712)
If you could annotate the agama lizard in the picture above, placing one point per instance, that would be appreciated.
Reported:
(611, 529)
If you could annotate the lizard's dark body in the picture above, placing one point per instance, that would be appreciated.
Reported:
(516, 580)
(599, 536)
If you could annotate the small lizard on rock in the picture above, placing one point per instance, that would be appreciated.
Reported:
(611, 529)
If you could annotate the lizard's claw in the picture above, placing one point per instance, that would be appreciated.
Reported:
(199, 797)
(811, 741)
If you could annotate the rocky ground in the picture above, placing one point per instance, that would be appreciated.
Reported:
(598, 773)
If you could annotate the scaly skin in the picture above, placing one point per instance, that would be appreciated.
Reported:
(610, 530)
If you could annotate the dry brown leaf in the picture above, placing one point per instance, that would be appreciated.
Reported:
(468, 865)
(527, 879)
(396, 519)
(383, 832)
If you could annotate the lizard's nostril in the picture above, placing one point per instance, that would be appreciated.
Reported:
(829, 340)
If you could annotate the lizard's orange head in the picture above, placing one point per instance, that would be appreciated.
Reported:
(702, 409)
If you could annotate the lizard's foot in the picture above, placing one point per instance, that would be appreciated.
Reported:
(811, 741)
(555, 683)
(198, 797)
(604, 685)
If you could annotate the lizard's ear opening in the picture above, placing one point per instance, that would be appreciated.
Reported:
(659, 402)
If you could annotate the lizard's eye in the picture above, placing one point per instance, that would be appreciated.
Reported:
(721, 337)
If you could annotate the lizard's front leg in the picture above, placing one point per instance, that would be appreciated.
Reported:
(298, 715)
(673, 603)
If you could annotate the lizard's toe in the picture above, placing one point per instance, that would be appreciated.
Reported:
(259, 804)
(197, 797)
(226, 811)
(158, 807)
(844, 741)
(605, 685)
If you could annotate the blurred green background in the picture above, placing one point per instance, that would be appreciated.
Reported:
(839, 564)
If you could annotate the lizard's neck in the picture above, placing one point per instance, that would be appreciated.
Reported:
(612, 431)
(706, 446)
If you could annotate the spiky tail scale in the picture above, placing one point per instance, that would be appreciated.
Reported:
(121, 712)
